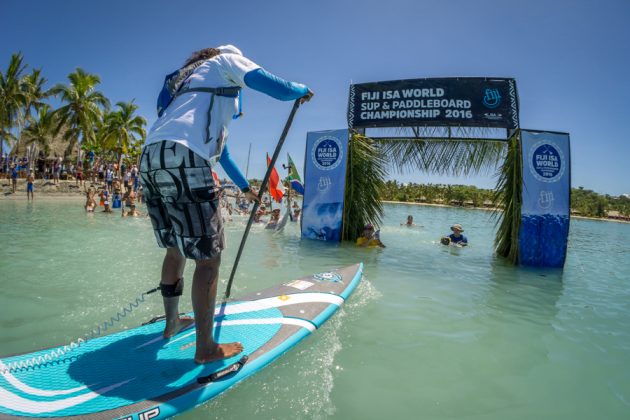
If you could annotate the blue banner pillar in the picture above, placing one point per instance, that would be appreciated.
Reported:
(324, 184)
(545, 210)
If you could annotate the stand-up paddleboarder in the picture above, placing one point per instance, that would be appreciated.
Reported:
(195, 107)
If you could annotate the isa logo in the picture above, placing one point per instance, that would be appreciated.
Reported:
(546, 161)
(491, 98)
(327, 153)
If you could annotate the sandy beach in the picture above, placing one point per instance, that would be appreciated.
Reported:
(45, 190)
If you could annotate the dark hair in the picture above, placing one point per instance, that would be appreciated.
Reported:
(204, 54)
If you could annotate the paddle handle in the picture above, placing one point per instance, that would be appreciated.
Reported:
(263, 186)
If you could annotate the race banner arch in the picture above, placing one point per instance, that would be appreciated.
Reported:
(480, 114)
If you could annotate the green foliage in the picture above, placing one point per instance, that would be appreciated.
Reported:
(463, 195)
(83, 109)
(42, 130)
(449, 156)
(27, 119)
(508, 195)
(121, 129)
(13, 98)
(364, 182)
(591, 204)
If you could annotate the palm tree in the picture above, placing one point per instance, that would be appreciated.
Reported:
(84, 107)
(122, 129)
(13, 99)
(42, 131)
(33, 85)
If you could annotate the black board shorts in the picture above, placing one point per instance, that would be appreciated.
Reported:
(182, 200)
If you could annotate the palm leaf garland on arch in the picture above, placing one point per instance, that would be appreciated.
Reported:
(455, 157)
(367, 169)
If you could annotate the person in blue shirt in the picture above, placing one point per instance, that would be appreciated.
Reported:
(14, 177)
(188, 139)
(455, 238)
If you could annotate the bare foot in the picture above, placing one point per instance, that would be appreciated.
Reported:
(181, 324)
(223, 351)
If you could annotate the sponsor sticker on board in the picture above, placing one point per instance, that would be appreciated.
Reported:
(299, 284)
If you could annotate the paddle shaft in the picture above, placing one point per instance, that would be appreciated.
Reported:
(263, 186)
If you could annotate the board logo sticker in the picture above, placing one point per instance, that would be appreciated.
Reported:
(284, 298)
(331, 277)
(299, 284)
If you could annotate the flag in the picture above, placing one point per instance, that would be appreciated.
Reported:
(293, 173)
(215, 177)
(297, 186)
(274, 179)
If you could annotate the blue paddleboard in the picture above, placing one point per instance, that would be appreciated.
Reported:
(138, 375)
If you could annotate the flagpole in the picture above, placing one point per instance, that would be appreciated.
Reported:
(248, 154)
(296, 105)
(289, 192)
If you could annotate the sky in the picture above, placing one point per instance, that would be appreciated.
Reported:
(570, 60)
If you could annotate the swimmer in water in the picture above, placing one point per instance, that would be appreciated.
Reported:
(370, 238)
(275, 218)
(455, 238)
(409, 222)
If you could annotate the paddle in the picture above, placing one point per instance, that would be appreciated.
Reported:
(263, 186)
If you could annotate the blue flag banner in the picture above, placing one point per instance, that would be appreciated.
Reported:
(324, 184)
(297, 186)
(545, 211)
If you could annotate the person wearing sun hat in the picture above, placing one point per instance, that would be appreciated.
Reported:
(456, 238)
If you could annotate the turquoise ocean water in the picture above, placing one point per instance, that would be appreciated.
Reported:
(431, 333)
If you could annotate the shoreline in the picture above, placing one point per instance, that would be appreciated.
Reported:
(79, 195)
(598, 219)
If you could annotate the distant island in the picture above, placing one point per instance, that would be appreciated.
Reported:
(584, 202)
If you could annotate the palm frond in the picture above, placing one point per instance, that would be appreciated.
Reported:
(364, 181)
(508, 195)
(443, 156)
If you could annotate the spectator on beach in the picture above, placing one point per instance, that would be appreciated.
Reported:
(455, 238)
(14, 177)
(79, 173)
(127, 179)
(41, 165)
(189, 138)
(134, 177)
(24, 166)
(29, 185)
(56, 171)
(109, 178)
(370, 238)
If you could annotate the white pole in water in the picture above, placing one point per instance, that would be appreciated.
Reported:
(247, 167)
